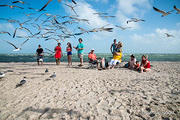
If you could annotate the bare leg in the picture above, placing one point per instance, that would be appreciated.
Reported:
(70, 59)
(81, 61)
(147, 69)
(141, 68)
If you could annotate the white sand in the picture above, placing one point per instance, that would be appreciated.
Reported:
(80, 93)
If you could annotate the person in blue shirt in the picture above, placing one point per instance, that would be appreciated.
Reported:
(80, 49)
(113, 47)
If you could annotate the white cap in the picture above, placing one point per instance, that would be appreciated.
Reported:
(92, 49)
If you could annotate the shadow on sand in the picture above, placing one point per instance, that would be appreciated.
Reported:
(50, 111)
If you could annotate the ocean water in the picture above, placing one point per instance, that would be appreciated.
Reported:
(50, 58)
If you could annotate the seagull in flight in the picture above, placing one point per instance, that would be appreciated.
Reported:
(168, 35)
(135, 20)
(122, 28)
(177, 9)
(4, 32)
(17, 48)
(45, 5)
(162, 12)
(18, 2)
(11, 6)
(72, 8)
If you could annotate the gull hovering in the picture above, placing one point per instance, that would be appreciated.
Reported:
(17, 48)
(135, 20)
(177, 9)
(11, 6)
(168, 35)
(45, 5)
(18, 2)
(72, 8)
(122, 28)
(4, 32)
(163, 12)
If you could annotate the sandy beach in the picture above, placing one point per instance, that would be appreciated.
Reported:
(89, 94)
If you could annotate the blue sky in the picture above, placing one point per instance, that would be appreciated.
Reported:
(143, 37)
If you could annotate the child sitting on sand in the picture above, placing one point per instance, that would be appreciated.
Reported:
(137, 65)
(145, 64)
(132, 62)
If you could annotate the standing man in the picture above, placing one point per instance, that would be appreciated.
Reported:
(39, 53)
(113, 47)
(80, 49)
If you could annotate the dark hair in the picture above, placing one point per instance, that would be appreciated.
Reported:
(80, 39)
(137, 61)
(39, 45)
(69, 45)
(114, 39)
(132, 56)
(59, 43)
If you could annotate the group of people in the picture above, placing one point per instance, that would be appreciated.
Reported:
(102, 63)
(145, 65)
(58, 53)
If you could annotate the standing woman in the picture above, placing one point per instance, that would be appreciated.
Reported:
(69, 53)
(58, 53)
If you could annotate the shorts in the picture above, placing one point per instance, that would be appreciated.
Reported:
(114, 62)
(40, 58)
(80, 55)
(69, 53)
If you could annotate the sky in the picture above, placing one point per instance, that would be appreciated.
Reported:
(143, 37)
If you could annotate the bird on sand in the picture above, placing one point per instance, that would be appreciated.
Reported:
(53, 75)
(46, 70)
(177, 9)
(22, 82)
(162, 12)
(2, 74)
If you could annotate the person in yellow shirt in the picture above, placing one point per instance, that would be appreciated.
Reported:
(117, 56)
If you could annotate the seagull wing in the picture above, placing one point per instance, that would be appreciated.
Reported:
(45, 5)
(176, 8)
(18, 2)
(158, 10)
(18, 7)
(24, 42)
(12, 44)
(15, 32)
(27, 30)
(74, 2)
(3, 5)
(49, 50)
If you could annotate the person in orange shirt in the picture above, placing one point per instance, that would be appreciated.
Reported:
(92, 57)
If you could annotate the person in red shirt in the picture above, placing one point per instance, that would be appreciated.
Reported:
(145, 64)
(58, 53)
(92, 57)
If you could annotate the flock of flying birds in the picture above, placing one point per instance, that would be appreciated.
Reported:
(51, 28)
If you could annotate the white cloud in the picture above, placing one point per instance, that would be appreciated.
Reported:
(85, 11)
(158, 41)
(132, 8)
